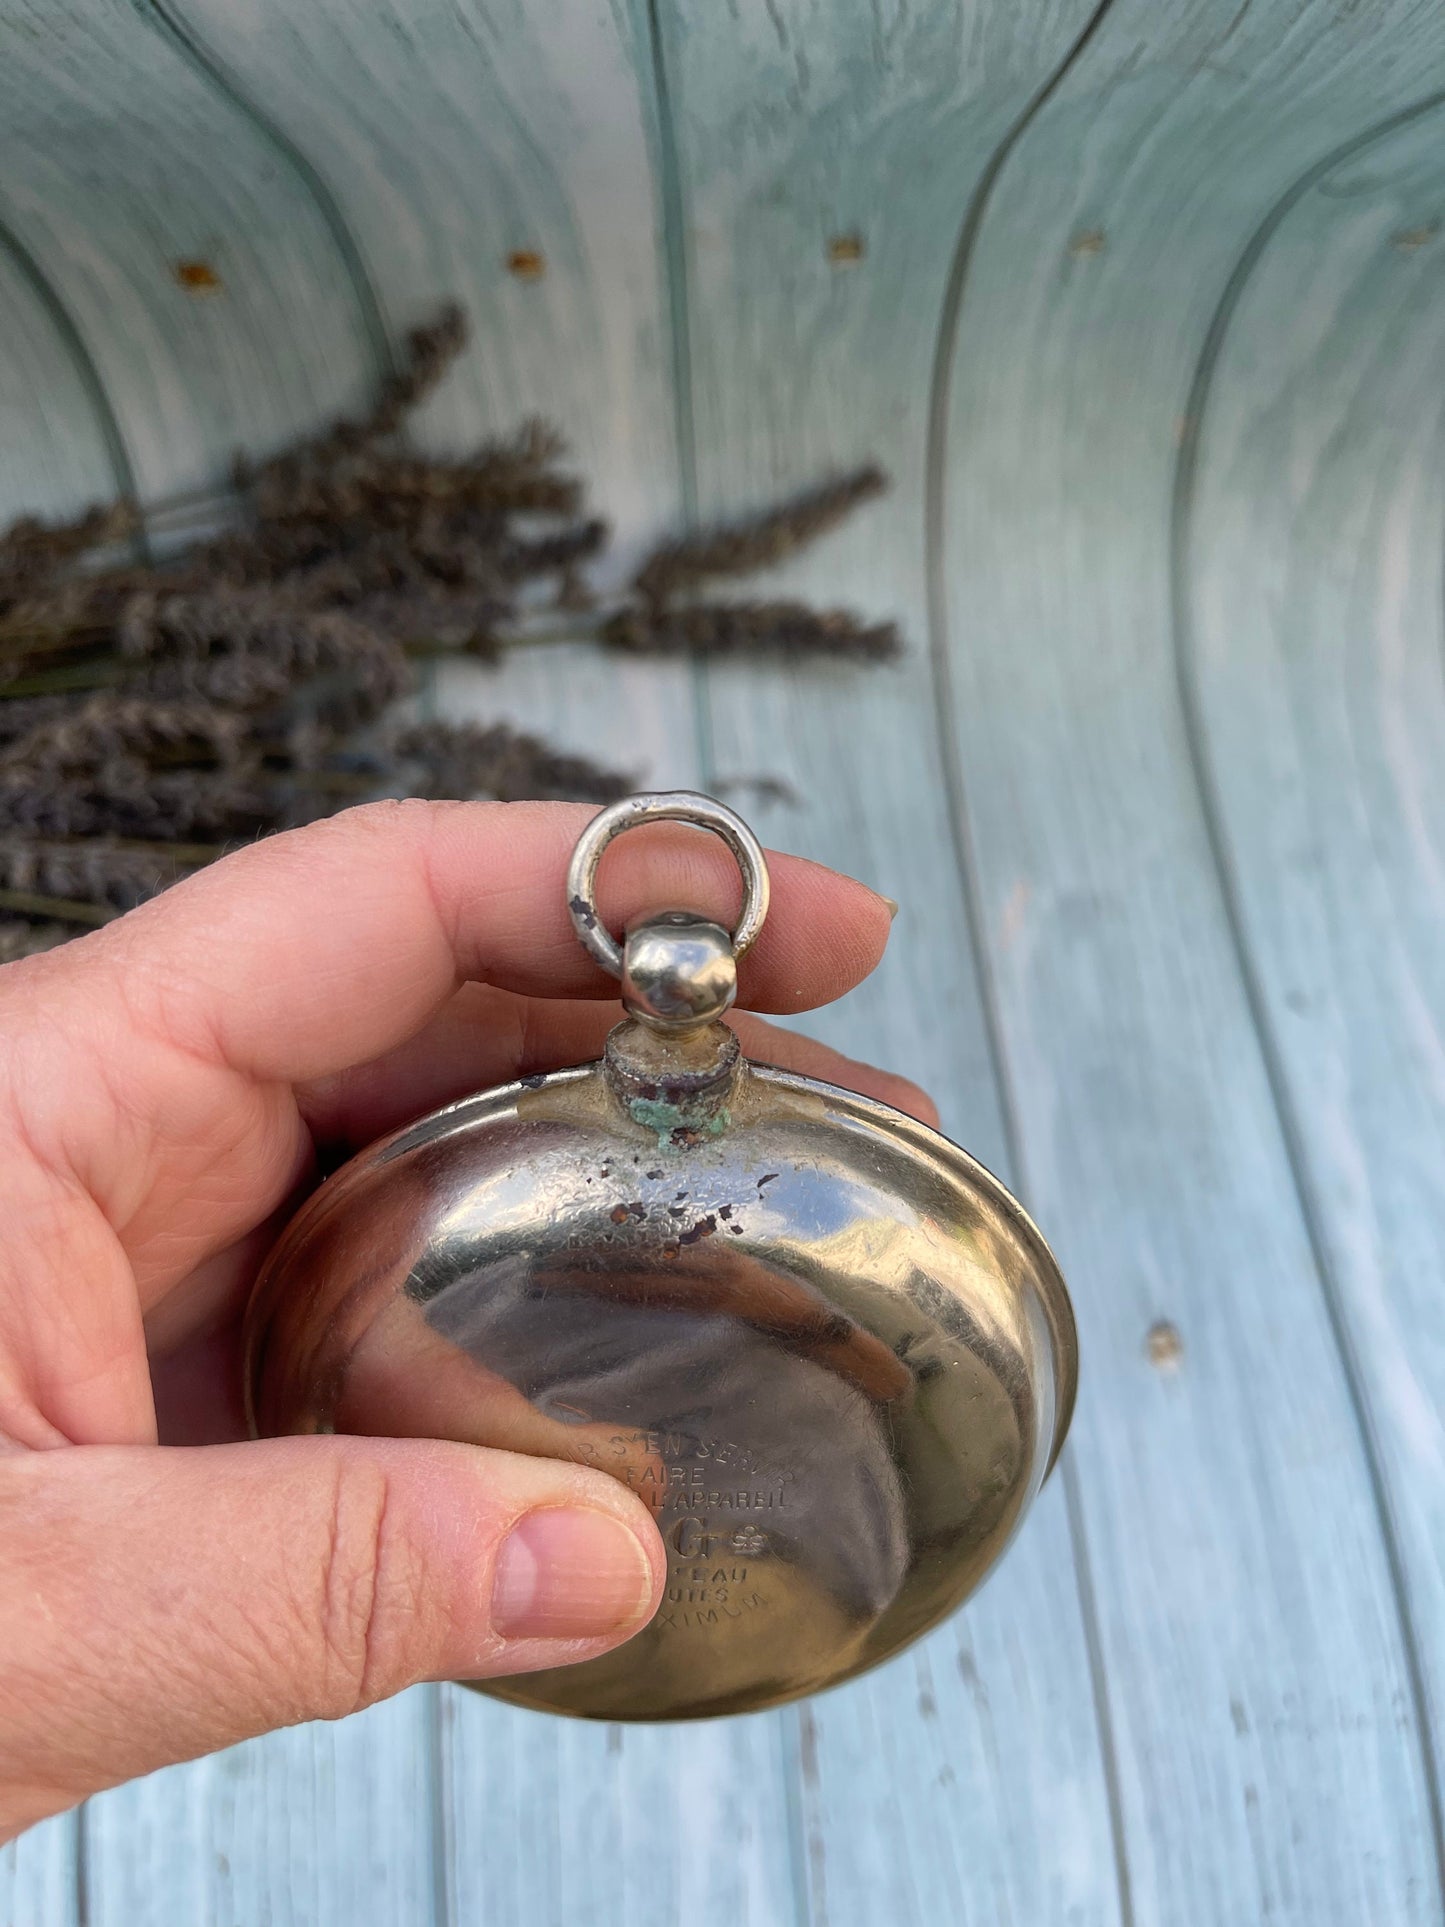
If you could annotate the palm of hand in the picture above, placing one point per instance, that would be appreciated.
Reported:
(167, 1089)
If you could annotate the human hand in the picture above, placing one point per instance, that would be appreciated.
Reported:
(166, 1087)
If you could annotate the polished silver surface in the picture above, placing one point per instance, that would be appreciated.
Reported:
(827, 1348)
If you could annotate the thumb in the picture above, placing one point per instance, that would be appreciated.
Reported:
(158, 1603)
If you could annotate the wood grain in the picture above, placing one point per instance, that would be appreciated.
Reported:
(38, 1876)
(797, 124)
(461, 142)
(59, 450)
(1312, 648)
(448, 161)
(329, 1825)
(121, 161)
(1142, 306)
(1249, 1619)
(113, 378)
(555, 1821)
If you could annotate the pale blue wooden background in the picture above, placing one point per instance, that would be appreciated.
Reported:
(1148, 324)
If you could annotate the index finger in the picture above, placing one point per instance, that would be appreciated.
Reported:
(317, 949)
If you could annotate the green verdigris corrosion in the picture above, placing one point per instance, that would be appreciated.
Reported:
(668, 1120)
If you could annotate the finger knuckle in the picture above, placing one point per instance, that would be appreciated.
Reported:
(370, 1594)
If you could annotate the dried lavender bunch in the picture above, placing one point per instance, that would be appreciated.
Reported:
(150, 717)
(100, 870)
(55, 617)
(430, 351)
(126, 798)
(241, 647)
(20, 714)
(281, 483)
(759, 543)
(438, 622)
(559, 554)
(32, 552)
(515, 473)
(118, 765)
(101, 729)
(494, 760)
(770, 631)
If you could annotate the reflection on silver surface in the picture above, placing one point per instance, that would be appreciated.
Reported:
(828, 1349)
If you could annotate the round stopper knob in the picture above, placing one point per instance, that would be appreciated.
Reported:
(678, 970)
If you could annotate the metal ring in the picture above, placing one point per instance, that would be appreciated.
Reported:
(667, 806)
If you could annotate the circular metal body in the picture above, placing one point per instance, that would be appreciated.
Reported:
(827, 1348)
(666, 806)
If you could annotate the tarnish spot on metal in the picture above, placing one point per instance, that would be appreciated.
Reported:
(677, 1125)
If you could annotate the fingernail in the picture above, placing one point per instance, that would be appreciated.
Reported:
(569, 1573)
(892, 906)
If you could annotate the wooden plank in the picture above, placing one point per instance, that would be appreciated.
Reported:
(1258, 1676)
(112, 378)
(57, 452)
(38, 1876)
(494, 154)
(1256, 1669)
(123, 159)
(1311, 638)
(327, 1825)
(584, 340)
(122, 162)
(453, 142)
(558, 1821)
(552, 1821)
(824, 155)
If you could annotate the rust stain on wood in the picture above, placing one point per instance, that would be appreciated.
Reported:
(198, 277)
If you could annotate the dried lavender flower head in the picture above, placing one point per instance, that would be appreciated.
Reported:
(761, 542)
(33, 553)
(763, 631)
(430, 351)
(493, 760)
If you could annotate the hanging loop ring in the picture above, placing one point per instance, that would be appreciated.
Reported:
(665, 806)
